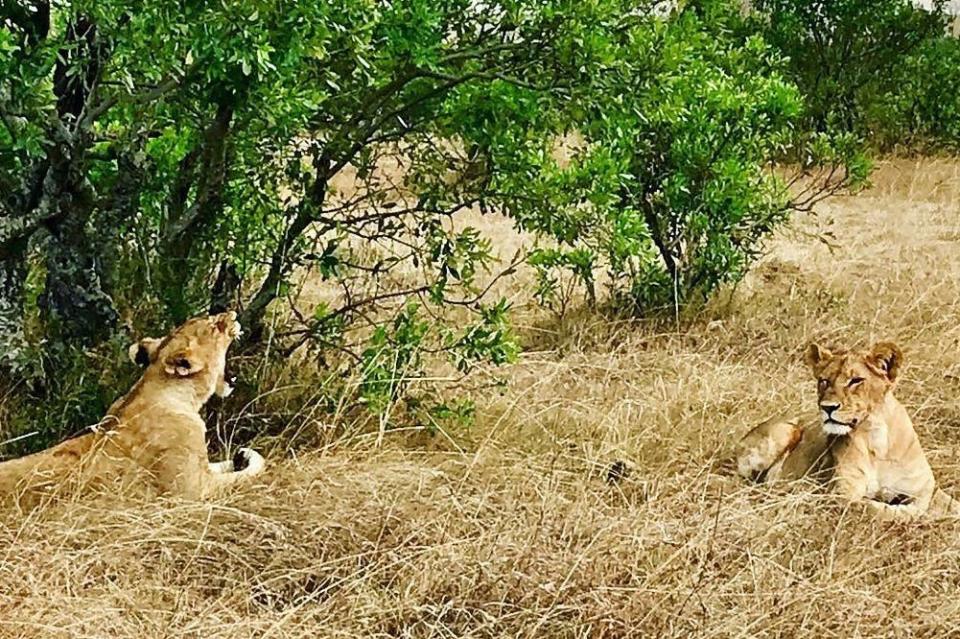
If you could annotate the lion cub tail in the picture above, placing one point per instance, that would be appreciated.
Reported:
(943, 505)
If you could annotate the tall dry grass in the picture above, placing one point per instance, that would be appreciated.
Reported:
(511, 530)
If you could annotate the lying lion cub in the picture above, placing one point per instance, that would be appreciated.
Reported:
(153, 435)
(865, 446)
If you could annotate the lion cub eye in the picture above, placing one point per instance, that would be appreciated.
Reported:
(822, 383)
(855, 382)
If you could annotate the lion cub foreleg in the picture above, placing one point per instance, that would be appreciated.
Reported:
(851, 484)
(183, 469)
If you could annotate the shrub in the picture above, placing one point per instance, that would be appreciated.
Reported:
(848, 56)
(674, 188)
(919, 109)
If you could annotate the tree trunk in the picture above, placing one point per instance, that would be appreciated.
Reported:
(280, 263)
(207, 167)
(74, 301)
(226, 289)
(13, 274)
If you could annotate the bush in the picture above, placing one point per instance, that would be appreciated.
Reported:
(919, 109)
(849, 58)
(674, 188)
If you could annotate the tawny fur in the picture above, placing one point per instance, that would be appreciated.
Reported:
(864, 445)
(153, 438)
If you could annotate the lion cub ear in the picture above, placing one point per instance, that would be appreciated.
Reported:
(183, 363)
(144, 352)
(816, 356)
(887, 357)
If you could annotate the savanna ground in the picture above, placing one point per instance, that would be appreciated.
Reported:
(510, 529)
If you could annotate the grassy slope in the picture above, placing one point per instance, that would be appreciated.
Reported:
(519, 535)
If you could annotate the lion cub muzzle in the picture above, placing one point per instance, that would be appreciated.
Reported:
(832, 423)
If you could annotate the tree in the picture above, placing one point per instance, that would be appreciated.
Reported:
(155, 152)
(917, 107)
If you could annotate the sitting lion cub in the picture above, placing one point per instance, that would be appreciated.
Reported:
(865, 445)
(153, 435)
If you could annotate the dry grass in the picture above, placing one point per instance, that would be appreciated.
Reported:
(519, 535)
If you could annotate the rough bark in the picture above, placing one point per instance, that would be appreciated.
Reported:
(13, 274)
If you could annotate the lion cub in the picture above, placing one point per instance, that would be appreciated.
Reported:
(154, 436)
(865, 445)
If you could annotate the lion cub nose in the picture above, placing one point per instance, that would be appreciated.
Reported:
(829, 408)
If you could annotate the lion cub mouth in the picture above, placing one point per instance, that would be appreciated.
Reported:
(833, 427)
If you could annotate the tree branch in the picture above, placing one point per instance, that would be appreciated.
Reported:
(154, 93)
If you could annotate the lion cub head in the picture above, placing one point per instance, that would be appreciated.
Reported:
(195, 351)
(852, 385)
